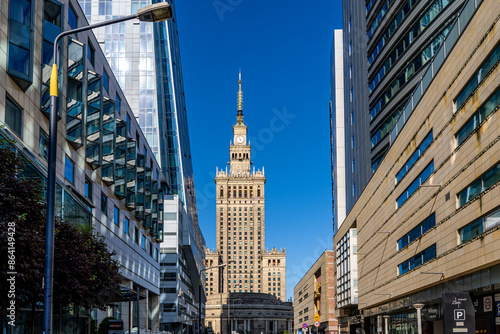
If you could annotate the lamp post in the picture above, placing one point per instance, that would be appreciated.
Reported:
(153, 13)
(199, 293)
(419, 316)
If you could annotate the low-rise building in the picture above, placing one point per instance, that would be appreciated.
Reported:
(314, 296)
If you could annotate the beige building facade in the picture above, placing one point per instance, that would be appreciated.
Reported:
(246, 266)
(315, 294)
(428, 221)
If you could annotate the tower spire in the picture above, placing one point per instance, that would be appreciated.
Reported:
(239, 118)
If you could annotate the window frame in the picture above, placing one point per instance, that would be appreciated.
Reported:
(20, 114)
(67, 160)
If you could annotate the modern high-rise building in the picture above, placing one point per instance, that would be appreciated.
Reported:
(107, 176)
(426, 229)
(387, 47)
(337, 134)
(146, 61)
(240, 223)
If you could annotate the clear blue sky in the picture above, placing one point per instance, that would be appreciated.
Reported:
(283, 50)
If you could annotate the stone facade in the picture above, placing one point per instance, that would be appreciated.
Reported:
(420, 235)
(249, 313)
(314, 294)
(240, 221)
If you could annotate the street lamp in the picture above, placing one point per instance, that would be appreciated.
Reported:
(199, 293)
(419, 316)
(153, 13)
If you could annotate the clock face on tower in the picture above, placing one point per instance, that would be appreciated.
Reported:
(240, 139)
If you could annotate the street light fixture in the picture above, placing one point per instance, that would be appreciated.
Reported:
(153, 13)
(419, 316)
(199, 293)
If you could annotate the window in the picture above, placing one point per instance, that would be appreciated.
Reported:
(43, 145)
(136, 235)
(417, 260)
(351, 93)
(414, 157)
(416, 232)
(13, 116)
(118, 103)
(477, 187)
(72, 18)
(478, 77)
(479, 226)
(128, 123)
(478, 117)
(20, 43)
(350, 72)
(352, 117)
(126, 223)
(156, 254)
(350, 48)
(416, 183)
(105, 80)
(91, 53)
(353, 189)
(116, 216)
(69, 170)
(88, 188)
(353, 165)
(143, 242)
(104, 203)
(352, 141)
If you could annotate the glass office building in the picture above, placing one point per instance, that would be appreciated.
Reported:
(107, 173)
(387, 47)
(146, 61)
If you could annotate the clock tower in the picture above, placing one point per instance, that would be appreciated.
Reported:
(239, 151)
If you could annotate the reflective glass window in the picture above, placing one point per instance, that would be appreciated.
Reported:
(105, 80)
(126, 226)
(478, 76)
(478, 117)
(414, 157)
(43, 145)
(13, 116)
(72, 18)
(88, 188)
(104, 203)
(69, 170)
(424, 175)
(479, 185)
(116, 216)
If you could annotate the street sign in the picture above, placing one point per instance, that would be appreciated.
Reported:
(458, 312)
(316, 324)
(304, 325)
(316, 317)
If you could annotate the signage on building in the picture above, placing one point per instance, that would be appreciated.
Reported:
(316, 317)
(459, 316)
(497, 321)
(316, 324)
(304, 325)
(497, 297)
(379, 324)
(487, 304)
(497, 308)
(431, 313)
(115, 327)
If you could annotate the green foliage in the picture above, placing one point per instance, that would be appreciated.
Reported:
(104, 325)
(85, 272)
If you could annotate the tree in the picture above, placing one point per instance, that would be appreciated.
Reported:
(85, 272)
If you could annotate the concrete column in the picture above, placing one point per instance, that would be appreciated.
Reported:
(275, 327)
(267, 326)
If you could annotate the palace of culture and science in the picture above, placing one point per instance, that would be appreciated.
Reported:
(249, 269)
